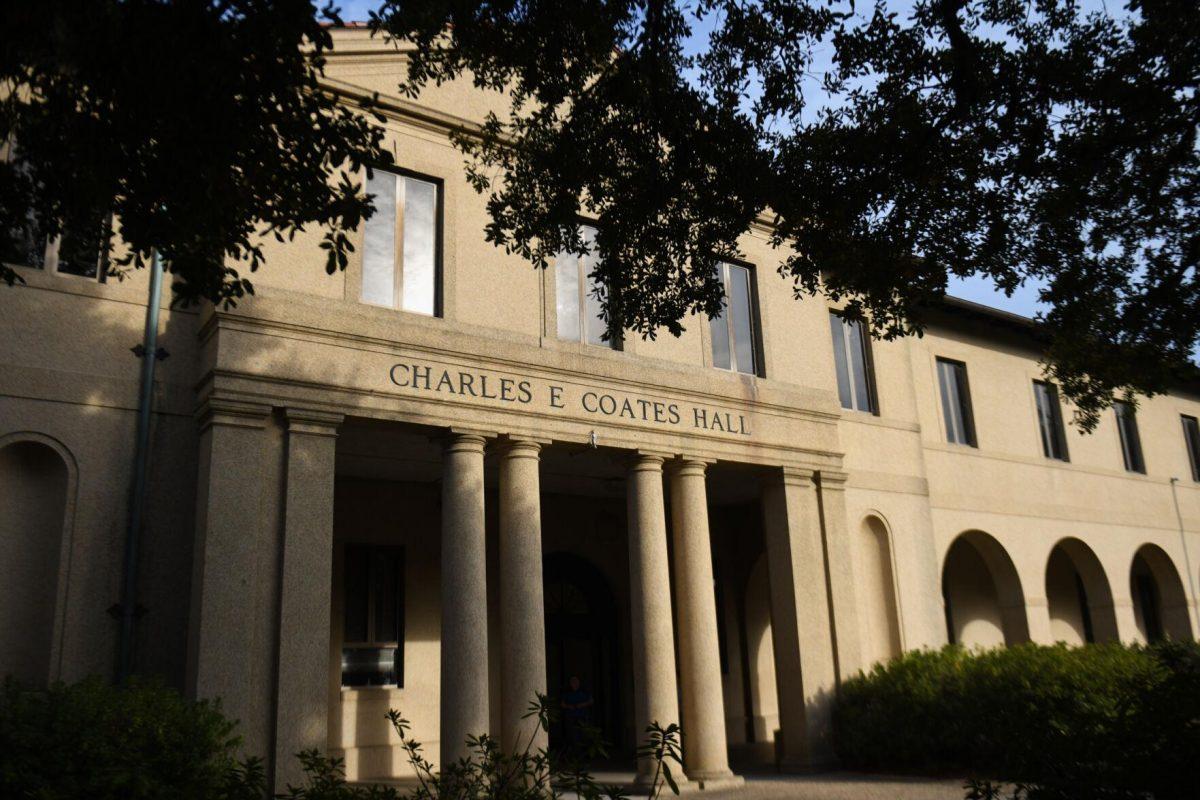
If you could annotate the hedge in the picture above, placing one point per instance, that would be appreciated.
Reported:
(92, 740)
(1095, 721)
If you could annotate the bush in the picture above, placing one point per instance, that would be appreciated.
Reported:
(91, 740)
(1095, 721)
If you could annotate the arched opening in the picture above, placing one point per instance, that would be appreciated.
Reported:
(985, 606)
(877, 593)
(581, 640)
(1078, 595)
(1159, 602)
(33, 479)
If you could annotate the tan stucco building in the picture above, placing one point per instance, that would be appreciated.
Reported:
(418, 484)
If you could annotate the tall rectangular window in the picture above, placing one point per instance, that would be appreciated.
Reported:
(1131, 442)
(956, 402)
(1191, 435)
(401, 244)
(1049, 410)
(81, 248)
(576, 304)
(852, 358)
(734, 330)
(373, 617)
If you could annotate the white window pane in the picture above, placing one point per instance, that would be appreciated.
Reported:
(420, 246)
(857, 351)
(379, 242)
(743, 321)
(566, 295)
(595, 318)
(951, 408)
(840, 360)
(719, 326)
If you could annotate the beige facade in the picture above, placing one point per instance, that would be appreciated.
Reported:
(695, 544)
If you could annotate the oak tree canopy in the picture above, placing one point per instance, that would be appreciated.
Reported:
(892, 146)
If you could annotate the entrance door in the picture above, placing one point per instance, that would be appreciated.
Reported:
(581, 640)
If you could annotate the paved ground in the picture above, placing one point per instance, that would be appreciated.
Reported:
(824, 786)
(840, 786)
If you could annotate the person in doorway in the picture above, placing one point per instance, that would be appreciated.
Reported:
(577, 705)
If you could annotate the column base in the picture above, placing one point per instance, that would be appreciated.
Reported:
(717, 781)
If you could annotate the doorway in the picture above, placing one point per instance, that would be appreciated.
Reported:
(581, 641)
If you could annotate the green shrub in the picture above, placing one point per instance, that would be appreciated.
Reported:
(91, 740)
(1096, 721)
(531, 773)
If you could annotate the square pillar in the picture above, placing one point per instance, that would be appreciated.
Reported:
(230, 647)
(302, 707)
(800, 619)
(839, 554)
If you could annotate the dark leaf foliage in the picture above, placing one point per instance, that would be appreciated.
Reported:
(201, 126)
(1104, 721)
(1011, 139)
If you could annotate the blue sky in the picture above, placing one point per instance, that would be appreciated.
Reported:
(1024, 300)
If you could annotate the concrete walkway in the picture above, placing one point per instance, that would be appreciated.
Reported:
(822, 786)
(840, 786)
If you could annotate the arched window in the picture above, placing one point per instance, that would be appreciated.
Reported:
(877, 593)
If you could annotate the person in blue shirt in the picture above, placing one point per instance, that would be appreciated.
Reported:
(577, 705)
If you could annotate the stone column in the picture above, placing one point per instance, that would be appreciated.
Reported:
(703, 706)
(655, 693)
(464, 678)
(840, 562)
(522, 611)
(230, 636)
(804, 662)
(302, 705)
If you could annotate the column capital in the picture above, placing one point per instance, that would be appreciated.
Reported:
(312, 421)
(797, 476)
(465, 440)
(519, 446)
(833, 479)
(689, 466)
(646, 461)
(232, 413)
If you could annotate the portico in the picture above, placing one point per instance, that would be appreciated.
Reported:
(443, 475)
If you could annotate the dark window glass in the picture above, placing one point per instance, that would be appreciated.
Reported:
(1050, 424)
(734, 330)
(1191, 434)
(1131, 443)
(83, 247)
(852, 357)
(956, 402)
(373, 633)
(1148, 598)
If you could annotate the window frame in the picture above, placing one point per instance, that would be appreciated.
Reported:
(374, 554)
(868, 361)
(1191, 439)
(756, 327)
(398, 246)
(616, 344)
(1132, 453)
(1057, 430)
(965, 406)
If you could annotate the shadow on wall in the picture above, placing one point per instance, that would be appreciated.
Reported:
(985, 606)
